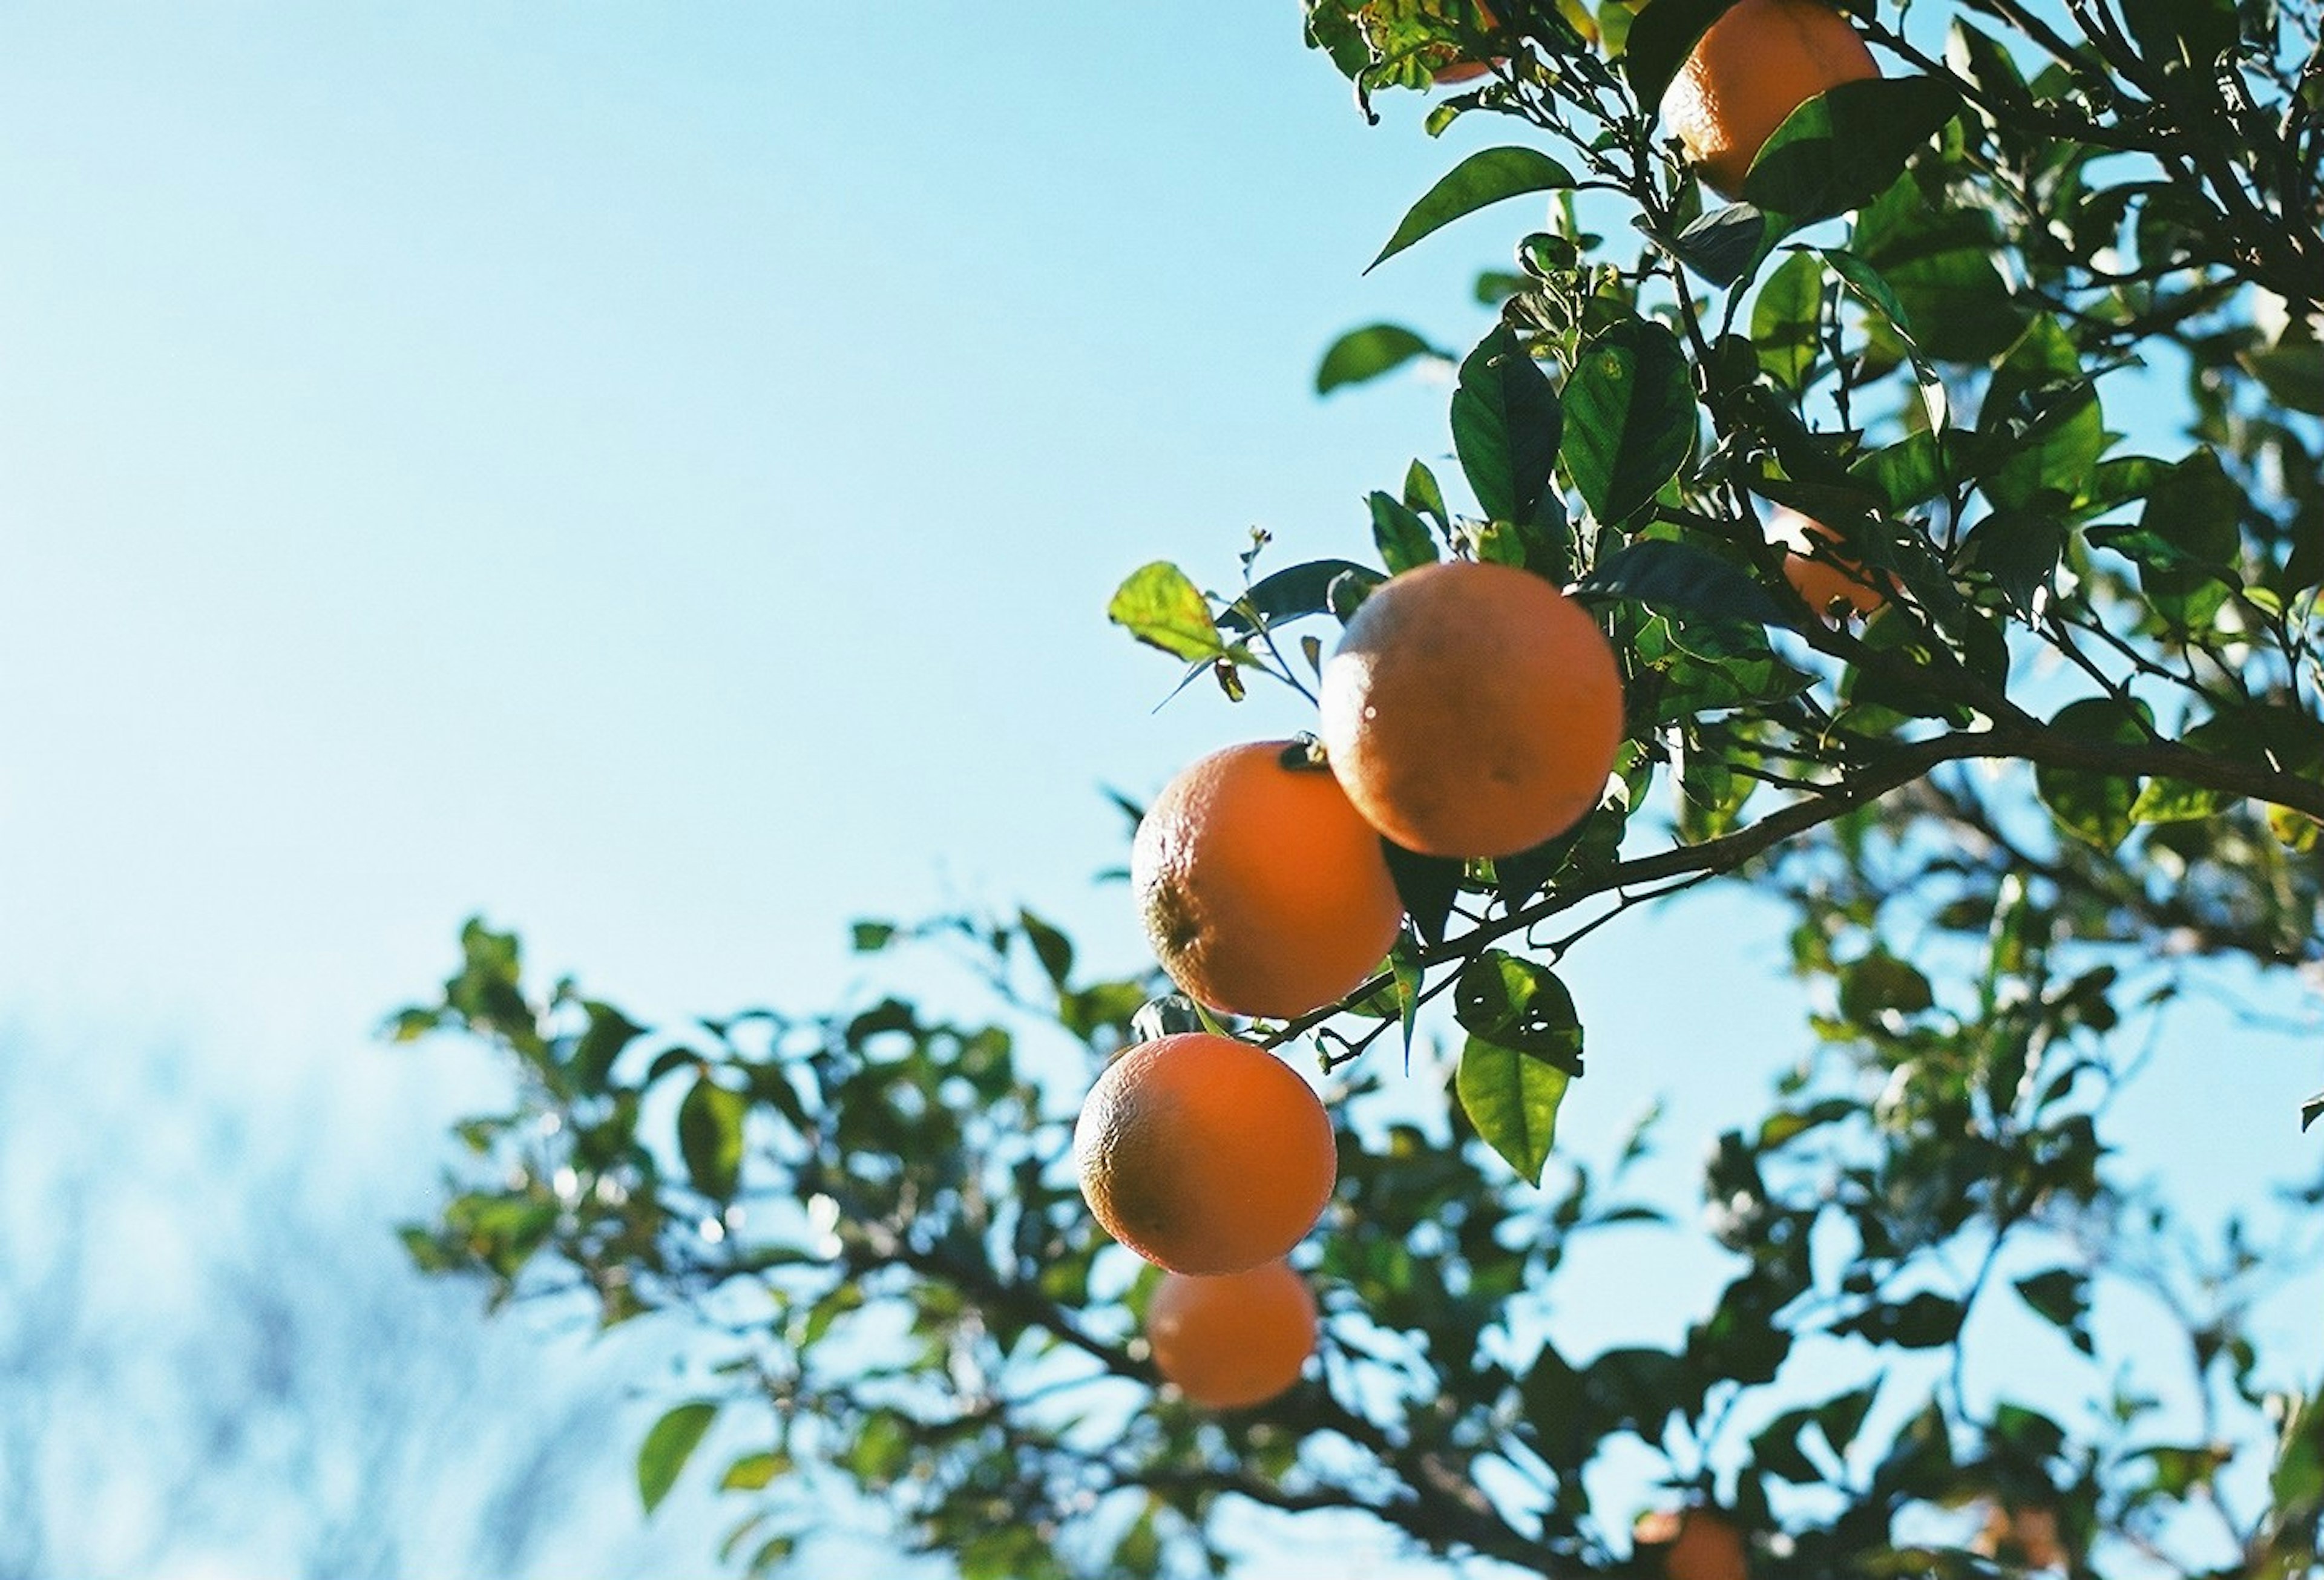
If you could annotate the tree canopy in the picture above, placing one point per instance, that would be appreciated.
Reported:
(2027, 328)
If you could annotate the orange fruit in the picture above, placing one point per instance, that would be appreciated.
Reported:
(1826, 581)
(1204, 1155)
(1471, 709)
(1697, 1544)
(1232, 1341)
(1262, 892)
(1757, 63)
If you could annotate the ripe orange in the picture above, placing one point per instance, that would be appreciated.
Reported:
(1204, 1155)
(1232, 1341)
(1757, 63)
(1697, 1544)
(1471, 709)
(1825, 581)
(1262, 891)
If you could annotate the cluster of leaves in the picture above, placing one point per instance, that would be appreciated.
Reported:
(1930, 380)
(2075, 759)
(872, 1218)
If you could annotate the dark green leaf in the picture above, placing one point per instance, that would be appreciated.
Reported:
(1911, 472)
(710, 1137)
(1292, 592)
(2061, 1297)
(1052, 948)
(2197, 508)
(2311, 1110)
(2092, 806)
(2292, 372)
(1925, 1320)
(1661, 38)
(1722, 246)
(1427, 885)
(1423, 493)
(1678, 577)
(1402, 537)
(669, 1443)
(1844, 147)
(1365, 353)
(1777, 1450)
(1630, 418)
(1161, 608)
(1879, 983)
(1484, 178)
(2182, 34)
(608, 1033)
(1787, 319)
(2019, 549)
(1517, 1004)
(1506, 422)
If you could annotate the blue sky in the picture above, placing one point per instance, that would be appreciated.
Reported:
(654, 475)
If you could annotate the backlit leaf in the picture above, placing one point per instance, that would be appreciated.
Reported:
(1161, 608)
(668, 1444)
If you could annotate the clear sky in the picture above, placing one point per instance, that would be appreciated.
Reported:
(653, 472)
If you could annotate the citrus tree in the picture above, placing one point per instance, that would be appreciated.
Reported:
(1892, 482)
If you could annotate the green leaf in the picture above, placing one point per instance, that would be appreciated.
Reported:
(1507, 425)
(1871, 988)
(1925, 1320)
(1402, 537)
(871, 937)
(1787, 319)
(1846, 146)
(1427, 885)
(1052, 948)
(1362, 355)
(669, 1443)
(1483, 178)
(2198, 509)
(1512, 1099)
(2182, 34)
(1678, 577)
(1630, 418)
(754, 1472)
(2094, 807)
(1517, 1004)
(2043, 414)
(1161, 608)
(2311, 1110)
(2019, 549)
(1421, 492)
(609, 1032)
(710, 1137)
(1721, 246)
(1910, 471)
(2061, 1297)
(1291, 594)
(1661, 38)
